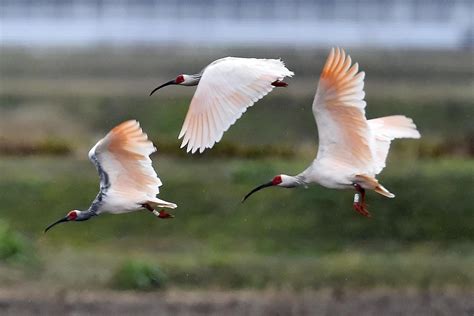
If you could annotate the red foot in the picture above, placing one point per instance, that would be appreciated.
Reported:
(359, 201)
(160, 214)
(165, 214)
(278, 83)
(360, 208)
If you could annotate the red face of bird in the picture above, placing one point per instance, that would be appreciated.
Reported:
(179, 79)
(281, 180)
(74, 215)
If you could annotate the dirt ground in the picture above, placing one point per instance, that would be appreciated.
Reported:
(25, 301)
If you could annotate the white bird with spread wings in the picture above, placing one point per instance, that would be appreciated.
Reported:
(128, 181)
(352, 150)
(226, 88)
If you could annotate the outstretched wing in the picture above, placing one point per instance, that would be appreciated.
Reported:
(339, 110)
(227, 88)
(124, 166)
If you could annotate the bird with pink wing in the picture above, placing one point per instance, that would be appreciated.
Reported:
(352, 150)
(128, 181)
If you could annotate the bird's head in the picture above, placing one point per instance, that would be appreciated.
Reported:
(281, 180)
(74, 215)
(184, 80)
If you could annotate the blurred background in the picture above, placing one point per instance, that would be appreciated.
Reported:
(70, 70)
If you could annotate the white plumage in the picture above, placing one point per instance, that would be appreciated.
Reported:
(226, 88)
(128, 179)
(352, 150)
(349, 144)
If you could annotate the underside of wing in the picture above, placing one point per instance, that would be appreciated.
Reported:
(339, 110)
(122, 159)
(226, 89)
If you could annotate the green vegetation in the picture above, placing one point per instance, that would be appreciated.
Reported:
(420, 268)
(208, 193)
(65, 101)
(44, 147)
(298, 238)
(447, 130)
(138, 275)
(13, 247)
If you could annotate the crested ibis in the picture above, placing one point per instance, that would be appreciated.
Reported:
(226, 88)
(128, 181)
(352, 150)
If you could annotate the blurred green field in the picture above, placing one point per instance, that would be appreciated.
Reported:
(275, 239)
(71, 96)
(55, 105)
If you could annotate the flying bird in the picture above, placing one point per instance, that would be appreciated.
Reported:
(128, 181)
(352, 150)
(226, 88)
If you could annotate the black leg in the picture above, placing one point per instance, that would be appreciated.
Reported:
(148, 207)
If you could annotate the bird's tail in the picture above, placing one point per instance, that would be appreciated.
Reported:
(394, 126)
(368, 182)
(380, 189)
(156, 202)
(385, 129)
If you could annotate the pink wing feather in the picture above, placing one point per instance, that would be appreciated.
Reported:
(346, 138)
(339, 109)
(123, 154)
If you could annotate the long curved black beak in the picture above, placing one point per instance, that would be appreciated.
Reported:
(163, 85)
(62, 220)
(265, 185)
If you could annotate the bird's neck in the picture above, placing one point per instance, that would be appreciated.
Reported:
(294, 181)
(85, 215)
(191, 80)
(301, 180)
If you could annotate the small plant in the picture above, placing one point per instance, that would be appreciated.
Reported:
(138, 275)
(13, 247)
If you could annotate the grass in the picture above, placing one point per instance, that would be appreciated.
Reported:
(346, 269)
(274, 220)
(279, 238)
(44, 147)
(14, 248)
(424, 266)
(104, 86)
(447, 130)
(138, 275)
(165, 62)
